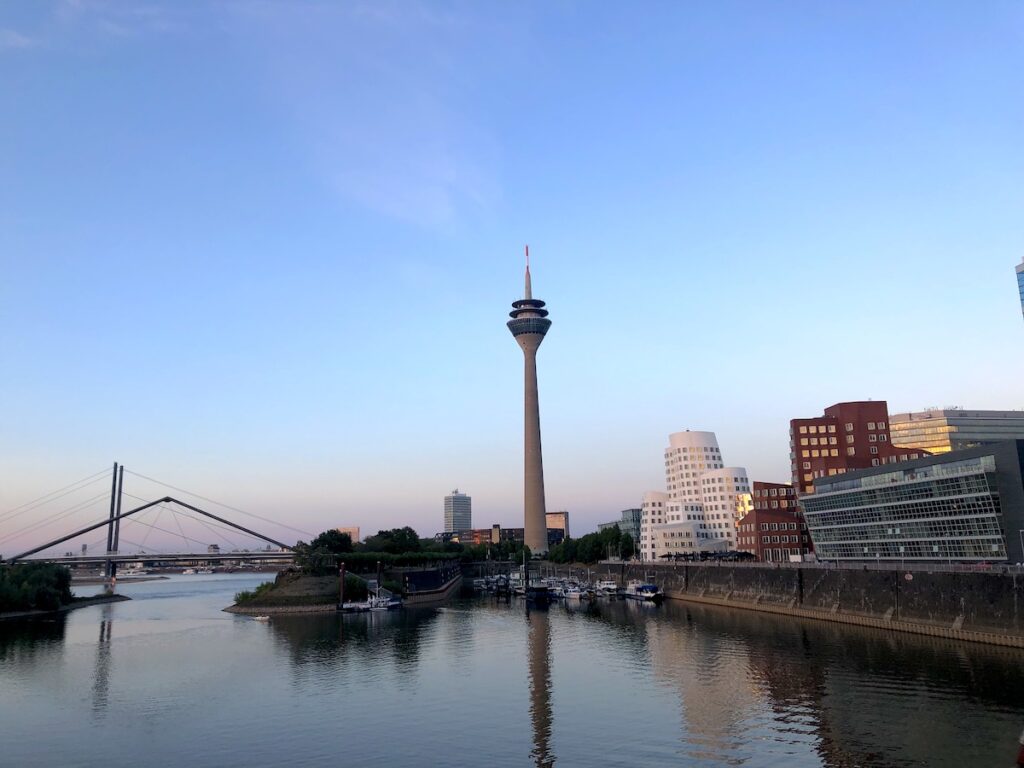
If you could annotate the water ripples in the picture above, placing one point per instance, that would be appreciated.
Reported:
(484, 681)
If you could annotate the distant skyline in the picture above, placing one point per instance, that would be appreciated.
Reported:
(265, 251)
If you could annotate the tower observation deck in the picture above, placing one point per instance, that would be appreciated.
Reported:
(528, 325)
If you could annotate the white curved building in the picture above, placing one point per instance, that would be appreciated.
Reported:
(703, 502)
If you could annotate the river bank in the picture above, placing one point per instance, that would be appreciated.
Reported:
(79, 602)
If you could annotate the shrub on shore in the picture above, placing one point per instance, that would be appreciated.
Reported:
(34, 586)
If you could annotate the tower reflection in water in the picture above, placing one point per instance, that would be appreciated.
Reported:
(539, 658)
(101, 678)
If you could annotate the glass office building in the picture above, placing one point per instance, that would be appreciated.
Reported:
(964, 506)
(1020, 283)
(953, 429)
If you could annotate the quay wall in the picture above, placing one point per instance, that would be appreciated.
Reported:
(984, 607)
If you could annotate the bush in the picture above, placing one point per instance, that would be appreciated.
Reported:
(34, 586)
(248, 595)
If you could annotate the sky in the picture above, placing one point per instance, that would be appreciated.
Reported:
(265, 250)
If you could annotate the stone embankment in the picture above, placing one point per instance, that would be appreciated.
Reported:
(985, 607)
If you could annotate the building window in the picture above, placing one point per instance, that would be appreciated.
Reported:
(849, 438)
(831, 427)
(883, 437)
(874, 449)
(872, 438)
(851, 451)
(849, 427)
(871, 425)
(881, 425)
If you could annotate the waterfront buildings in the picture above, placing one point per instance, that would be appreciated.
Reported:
(773, 530)
(477, 535)
(628, 522)
(848, 436)
(529, 325)
(458, 511)
(558, 520)
(958, 506)
(953, 429)
(704, 501)
(1020, 283)
(554, 536)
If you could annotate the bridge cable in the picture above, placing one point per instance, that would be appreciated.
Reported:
(221, 504)
(177, 522)
(28, 506)
(210, 528)
(53, 518)
(180, 533)
(149, 529)
(190, 517)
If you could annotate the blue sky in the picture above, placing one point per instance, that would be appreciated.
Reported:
(265, 250)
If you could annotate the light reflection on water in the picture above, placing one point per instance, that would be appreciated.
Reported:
(169, 679)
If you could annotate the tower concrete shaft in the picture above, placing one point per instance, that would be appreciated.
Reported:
(528, 325)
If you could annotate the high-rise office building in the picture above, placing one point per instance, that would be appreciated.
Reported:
(953, 429)
(705, 500)
(848, 436)
(458, 512)
(1020, 283)
(529, 325)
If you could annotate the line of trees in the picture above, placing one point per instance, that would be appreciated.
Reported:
(395, 547)
(608, 543)
(398, 547)
(34, 586)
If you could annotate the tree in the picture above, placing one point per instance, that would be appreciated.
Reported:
(628, 548)
(395, 541)
(332, 541)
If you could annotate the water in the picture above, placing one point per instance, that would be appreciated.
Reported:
(169, 680)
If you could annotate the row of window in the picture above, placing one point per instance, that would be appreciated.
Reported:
(773, 492)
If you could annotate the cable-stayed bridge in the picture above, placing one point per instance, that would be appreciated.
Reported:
(220, 533)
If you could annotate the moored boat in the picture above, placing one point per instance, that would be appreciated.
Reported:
(639, 590)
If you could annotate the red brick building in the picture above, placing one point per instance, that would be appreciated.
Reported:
(848, 436)
(774, 529)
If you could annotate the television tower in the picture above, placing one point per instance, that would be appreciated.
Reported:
(529, 324)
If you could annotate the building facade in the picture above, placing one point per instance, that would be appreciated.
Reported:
(704, 501)
(558, 520)
(554, 536)
(774, 530)
(953, 429)
(961, 506)
(458, 512)
(846, 437)
(629, 522)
